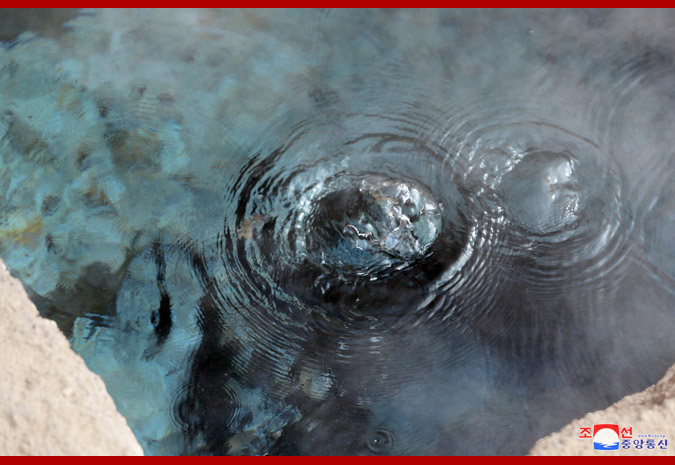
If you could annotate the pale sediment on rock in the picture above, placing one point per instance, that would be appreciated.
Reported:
(50, 403)
(651, 411)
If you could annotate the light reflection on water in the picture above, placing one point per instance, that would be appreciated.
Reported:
(347, 232)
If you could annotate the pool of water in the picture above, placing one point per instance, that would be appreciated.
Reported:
(351, 231)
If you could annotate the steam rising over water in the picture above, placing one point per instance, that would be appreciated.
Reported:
(406, 232)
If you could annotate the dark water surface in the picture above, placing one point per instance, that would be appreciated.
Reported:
(347, 232)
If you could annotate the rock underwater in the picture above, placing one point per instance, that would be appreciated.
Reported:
(352, 231)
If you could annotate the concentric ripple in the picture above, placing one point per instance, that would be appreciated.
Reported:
(399, 244)
(336, 237)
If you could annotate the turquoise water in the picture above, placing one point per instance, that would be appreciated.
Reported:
(346, 232)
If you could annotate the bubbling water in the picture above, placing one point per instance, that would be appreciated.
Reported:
(542, 195)
(377, 224)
